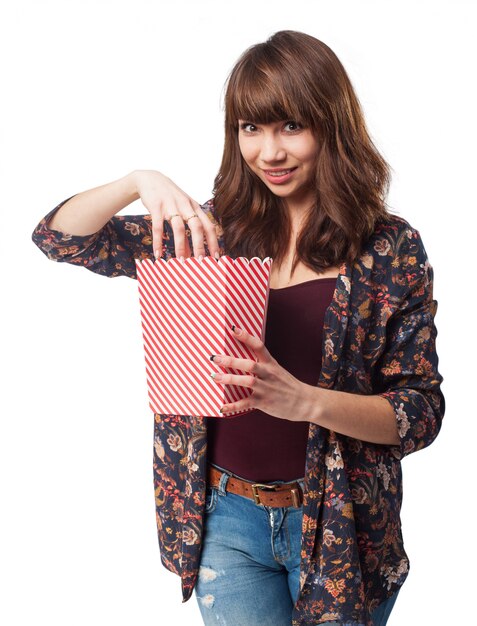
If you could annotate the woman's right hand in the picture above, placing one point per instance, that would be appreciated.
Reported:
(164, 200)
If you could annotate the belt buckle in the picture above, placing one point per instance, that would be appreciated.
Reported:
(295, 494)
(256, 495)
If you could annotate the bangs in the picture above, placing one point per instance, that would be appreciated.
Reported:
(260, 92)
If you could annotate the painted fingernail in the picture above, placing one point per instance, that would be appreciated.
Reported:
(181, 259)
(216, 376)
(236, 330)
(216, 359)
(201, 257)
(156, 253)
(217, 255)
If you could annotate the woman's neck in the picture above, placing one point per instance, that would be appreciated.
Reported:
(298, 210)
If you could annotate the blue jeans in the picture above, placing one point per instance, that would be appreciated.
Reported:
(250, 562)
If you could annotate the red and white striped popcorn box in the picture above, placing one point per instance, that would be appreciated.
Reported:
(186, 307)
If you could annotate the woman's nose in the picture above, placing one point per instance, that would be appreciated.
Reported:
(272, 149)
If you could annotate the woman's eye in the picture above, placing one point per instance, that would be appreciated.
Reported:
(292, 126)
(248, 127)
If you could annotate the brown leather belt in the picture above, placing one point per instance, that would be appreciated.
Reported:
(282, 495)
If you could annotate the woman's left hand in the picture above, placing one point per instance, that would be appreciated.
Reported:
(274, 390)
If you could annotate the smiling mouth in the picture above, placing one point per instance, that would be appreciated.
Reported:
(279, 173)
(280, 177)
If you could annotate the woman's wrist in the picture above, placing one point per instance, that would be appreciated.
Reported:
(131, 181)
(143, 181)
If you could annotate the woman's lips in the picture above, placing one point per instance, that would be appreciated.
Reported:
(278, 177)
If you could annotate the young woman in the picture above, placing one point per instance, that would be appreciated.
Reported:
(290, 512)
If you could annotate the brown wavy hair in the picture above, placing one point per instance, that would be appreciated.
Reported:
(294, 76)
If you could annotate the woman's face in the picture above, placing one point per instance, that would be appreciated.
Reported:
(283, 155)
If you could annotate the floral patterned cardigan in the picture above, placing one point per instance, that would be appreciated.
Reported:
(378, 338)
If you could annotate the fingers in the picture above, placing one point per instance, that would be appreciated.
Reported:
(202, 230)
(176, 221)
(157, 231)
(166, 201)
(183, 211)
(190, 215)
(253, 342)
(234, 379)
(244, 365)
(257, 368)
(196, 227)
(240, 405)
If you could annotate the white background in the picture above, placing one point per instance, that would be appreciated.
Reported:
(93, 90)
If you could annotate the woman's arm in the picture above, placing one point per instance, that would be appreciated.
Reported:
(87, 212)
(369, 418)
(407, 377)
(84, 230)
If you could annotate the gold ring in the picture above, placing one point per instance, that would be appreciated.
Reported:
(189, 218)
(175, 215)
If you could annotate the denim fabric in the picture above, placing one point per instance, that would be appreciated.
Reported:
(250, 562)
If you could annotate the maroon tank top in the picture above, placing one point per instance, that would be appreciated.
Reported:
(258, 446)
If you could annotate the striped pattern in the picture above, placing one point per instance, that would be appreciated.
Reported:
(185, 308)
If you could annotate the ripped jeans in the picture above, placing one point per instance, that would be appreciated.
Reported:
(250, 563)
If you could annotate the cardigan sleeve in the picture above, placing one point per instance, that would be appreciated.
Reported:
(110, 251)
(407, 372)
